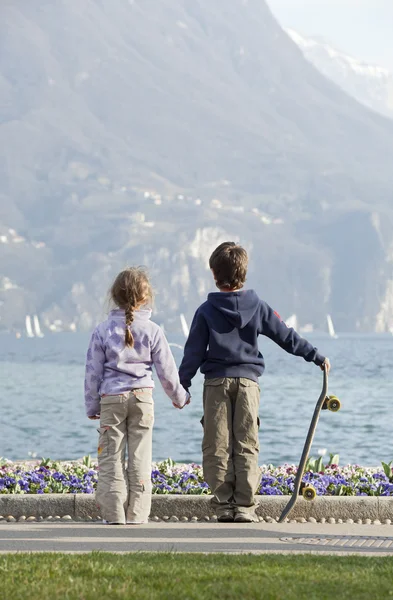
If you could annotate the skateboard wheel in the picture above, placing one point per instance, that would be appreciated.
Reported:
(333, 404)
(308, 492)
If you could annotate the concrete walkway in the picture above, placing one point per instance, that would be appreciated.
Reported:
(375, 540)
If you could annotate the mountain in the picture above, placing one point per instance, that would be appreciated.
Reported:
(146, 133)
(371, 85)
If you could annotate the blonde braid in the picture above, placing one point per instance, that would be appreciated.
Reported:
(129, 291)
(129, 338)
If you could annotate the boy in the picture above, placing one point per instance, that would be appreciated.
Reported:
(223, 344)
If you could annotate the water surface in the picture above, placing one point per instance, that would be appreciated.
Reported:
(42, 411)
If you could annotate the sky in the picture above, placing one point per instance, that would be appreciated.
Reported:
(362, 28)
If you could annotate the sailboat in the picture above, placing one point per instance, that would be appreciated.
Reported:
(292, 322)
(184, 325)
(174, 345)
(37, 327)
(29, 329)
(330, 325)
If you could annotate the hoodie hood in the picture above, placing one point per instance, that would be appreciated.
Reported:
(237, 307)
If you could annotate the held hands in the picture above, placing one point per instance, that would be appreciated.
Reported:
(185, 404)
(325, 366)
(94, 417)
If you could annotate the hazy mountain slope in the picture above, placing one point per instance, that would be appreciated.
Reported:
(104, 100)
(371, 85)
(190, 92)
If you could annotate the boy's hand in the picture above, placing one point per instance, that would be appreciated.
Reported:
(94, 417)
(326, 366)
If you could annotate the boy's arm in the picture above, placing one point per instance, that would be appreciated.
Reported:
(166, 369)
(94, 373)
(286, 337)
(194, 350)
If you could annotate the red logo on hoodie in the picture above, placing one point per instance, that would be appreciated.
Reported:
(277, 315)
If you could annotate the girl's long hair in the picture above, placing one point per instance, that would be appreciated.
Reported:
(130, 290)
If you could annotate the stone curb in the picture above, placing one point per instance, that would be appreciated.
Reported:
(83, 507)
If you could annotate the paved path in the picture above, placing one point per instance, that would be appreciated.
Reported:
(198, 537)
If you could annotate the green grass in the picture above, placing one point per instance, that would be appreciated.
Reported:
(148, 576)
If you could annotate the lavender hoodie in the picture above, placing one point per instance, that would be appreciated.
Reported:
(113, 368)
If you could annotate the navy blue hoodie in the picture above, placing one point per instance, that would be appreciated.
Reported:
(223, 339)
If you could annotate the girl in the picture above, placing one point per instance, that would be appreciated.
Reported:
(118, 390)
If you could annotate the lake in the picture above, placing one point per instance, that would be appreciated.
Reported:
(42, 405)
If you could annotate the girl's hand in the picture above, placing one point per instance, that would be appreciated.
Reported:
(94, 417)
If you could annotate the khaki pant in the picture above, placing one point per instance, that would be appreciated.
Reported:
(230, 443)
(124, 494)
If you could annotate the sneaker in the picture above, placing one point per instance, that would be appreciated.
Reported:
(246, 518)
(226, 517)
(111, 522)
(137, 522)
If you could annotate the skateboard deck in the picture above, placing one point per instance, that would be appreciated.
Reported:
(324, 402)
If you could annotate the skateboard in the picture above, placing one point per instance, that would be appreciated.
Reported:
(308, 492)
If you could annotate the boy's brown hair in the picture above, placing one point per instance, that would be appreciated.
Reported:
(130, 290)
(229, 263)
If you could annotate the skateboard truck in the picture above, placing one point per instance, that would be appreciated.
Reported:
(307, 490)
(331, 403)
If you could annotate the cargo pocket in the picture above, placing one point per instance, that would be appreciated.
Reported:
(113, 410)
(214, 390)
(144, 395)
(103, 442)
(145, 405)
(249, 383)
(214, 381)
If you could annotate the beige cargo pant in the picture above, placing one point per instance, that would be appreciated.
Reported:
(230, 442)
(126, 423)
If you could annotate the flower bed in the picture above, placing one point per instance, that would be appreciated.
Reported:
(48, 476)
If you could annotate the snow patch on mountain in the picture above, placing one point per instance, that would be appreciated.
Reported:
(370, 84)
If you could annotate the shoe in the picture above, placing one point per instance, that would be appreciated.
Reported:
(226, 517)
(246, 518)
(111, 522)
(136, 522)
